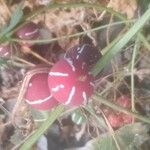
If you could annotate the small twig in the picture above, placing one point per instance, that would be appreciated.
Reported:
(111, 131)
(6, 7)
(132, 75)
(24, 87)
(24, 61)
(28, 50)
(41, 58)
(102, 15)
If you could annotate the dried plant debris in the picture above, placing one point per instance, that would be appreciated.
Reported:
(10, 75)
(67, 20)
(4, 13)
(127, 7)
(10, 78)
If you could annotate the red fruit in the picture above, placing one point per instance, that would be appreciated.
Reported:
(84, 53)
(37, 94)
(127, 119)
(115, 120)
(124, 101)
(5, 50)
(29, 31)
(68, 84)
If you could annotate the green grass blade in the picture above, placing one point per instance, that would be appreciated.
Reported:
(35, 136)
(2, 61)
(121, 43)
(15, 19)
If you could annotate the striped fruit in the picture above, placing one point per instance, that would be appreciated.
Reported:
(69, 84)
(38, 95)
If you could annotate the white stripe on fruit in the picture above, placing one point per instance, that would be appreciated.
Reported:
(71, 64)
(58, 74)
(57, 88)
(39, 101)
(70, 95)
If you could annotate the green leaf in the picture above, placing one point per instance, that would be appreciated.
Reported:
(2, 61)
(39, 115)
(78, 117)
(15, 19)
(121, 43)
(129, 137)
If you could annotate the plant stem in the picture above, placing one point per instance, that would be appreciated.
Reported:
(119, 108)
(136, 48)
(72, 35)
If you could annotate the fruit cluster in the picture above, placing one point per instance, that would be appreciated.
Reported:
(68, 82)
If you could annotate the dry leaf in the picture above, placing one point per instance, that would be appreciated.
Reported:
(4, 13)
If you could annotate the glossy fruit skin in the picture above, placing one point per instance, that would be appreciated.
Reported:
(5, 50)
(70, 85)
(84, 53)
(29, 31)
(38, 95)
